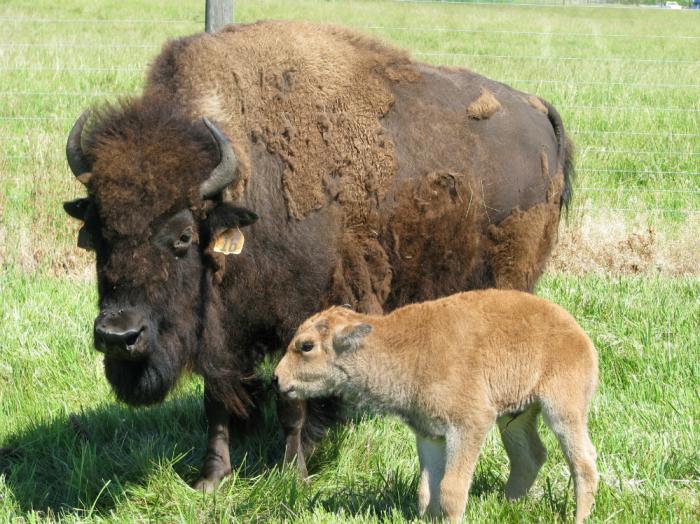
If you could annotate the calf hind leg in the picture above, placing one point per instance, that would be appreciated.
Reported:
(570, 428)
(304, 422)
(525, 450)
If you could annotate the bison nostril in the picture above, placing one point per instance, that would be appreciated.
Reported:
(131, 338)
(118, 333)
(118, 337)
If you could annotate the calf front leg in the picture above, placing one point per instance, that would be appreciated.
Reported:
(217, 461)
(431, 456)
(462, 446)
(292, 416)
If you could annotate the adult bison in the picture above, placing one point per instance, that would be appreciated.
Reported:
(379, 181)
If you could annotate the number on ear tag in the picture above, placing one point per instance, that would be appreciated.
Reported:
(229, 242)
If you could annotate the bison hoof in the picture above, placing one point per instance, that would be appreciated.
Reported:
(303, 472)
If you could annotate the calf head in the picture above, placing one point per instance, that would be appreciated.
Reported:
(316, 361)
(155, 207)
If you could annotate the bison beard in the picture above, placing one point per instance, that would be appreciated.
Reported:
(380, 181)
(141, 383)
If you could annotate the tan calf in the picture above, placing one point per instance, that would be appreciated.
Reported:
(452, 367)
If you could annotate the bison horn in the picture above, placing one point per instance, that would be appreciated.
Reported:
(223, 174)
(74, 150)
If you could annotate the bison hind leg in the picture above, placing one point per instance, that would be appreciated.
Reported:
(322, 414)
(304, 423)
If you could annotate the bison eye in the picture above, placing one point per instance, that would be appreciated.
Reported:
(182, 244)
(307, 346)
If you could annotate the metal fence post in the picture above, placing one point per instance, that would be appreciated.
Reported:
(218, 14)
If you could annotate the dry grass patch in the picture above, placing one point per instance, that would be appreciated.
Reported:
(605, 243)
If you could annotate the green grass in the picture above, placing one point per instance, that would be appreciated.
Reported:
(70, 451)
(116, 463)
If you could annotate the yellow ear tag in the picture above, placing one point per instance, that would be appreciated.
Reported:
(229, 242)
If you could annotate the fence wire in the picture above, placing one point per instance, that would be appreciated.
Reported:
(530, 33)
(91, 94)
(590, 4)
(663, 163)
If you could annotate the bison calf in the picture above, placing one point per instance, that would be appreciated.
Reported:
(452, 367)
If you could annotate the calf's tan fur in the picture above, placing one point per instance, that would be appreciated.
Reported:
(452, 367)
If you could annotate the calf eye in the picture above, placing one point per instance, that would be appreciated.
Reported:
(182, 244)
(307, 346)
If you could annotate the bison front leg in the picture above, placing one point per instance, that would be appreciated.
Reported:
(292, 416)
(217, 461)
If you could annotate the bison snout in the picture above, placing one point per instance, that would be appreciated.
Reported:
(120, 334)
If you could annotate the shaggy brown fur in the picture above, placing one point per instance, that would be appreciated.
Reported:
(516, 264)
(484, 106)
(130, 192)
(436, 213)
(537, 104)
(373, 184)
(318, 119)
(450, 369)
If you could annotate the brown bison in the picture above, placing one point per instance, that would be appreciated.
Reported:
(378, 180)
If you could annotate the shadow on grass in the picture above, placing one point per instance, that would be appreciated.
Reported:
(91, 459)
(90, 462)
(392, 493)
(385, 490)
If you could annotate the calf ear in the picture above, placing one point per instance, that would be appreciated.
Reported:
(350, 337)
(77, 208)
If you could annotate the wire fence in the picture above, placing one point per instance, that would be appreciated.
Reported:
(604, 4)
(662, 154)
(626, 36)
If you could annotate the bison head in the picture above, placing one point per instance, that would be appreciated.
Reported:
(155, 209)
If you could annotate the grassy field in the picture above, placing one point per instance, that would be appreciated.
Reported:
(71, 451)
(627, 82)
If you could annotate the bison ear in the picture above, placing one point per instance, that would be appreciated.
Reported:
(226, 216)
(223, 225)
(77, 208)
(85, 239)
(350, 337)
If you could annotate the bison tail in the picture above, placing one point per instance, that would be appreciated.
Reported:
(565, 155)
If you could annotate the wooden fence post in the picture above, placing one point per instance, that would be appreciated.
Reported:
(218, 14)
